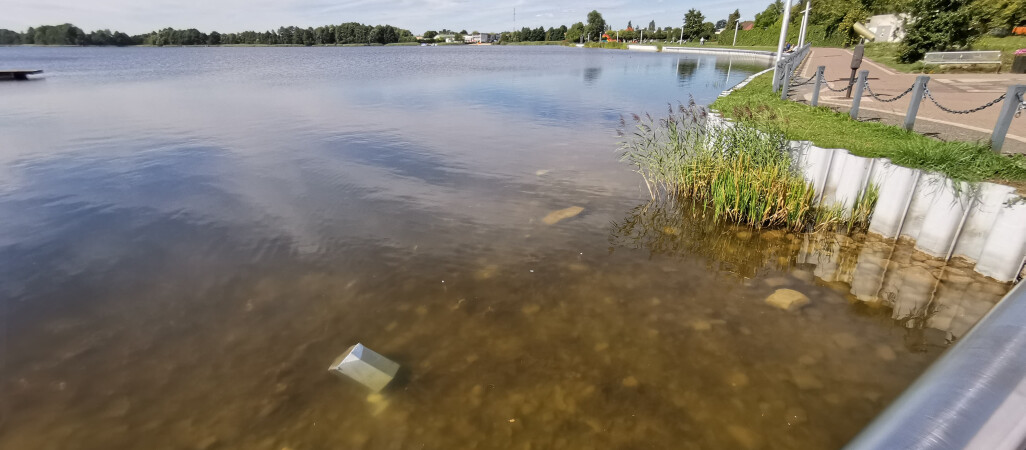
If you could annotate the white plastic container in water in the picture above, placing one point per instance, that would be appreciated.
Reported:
(365, 366)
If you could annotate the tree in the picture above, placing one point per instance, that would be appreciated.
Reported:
(575, 32)
(693, 24)
(1002, 14)
(629, 26)
(732, 19)
(937, 25)
(596, 26)
(708, 31)
(856, 14)
(555, 34)
(770, 16)
(214, 38)
(721, 24)
(651, 26)
(463, 32)
(430, 34)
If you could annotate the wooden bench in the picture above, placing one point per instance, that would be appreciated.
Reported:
(960, 58)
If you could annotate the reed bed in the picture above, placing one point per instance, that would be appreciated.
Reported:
(735, 172)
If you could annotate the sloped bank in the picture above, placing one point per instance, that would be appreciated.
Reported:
(985, 223)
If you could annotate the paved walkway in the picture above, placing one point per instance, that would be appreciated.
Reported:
(954, 91)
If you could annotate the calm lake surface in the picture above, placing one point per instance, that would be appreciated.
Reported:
(189, 237)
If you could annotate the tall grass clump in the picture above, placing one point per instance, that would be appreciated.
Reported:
(740, 174)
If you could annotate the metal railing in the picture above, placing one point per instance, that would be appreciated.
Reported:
(974, 396)
(786, 66)
(1012, 100)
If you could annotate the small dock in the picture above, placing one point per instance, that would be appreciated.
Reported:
(17, 74)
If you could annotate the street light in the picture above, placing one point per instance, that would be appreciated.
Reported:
(682, 22)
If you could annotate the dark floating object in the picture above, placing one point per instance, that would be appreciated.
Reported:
(18, 74)
(365, 366)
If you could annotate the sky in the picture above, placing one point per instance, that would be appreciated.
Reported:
(141, 16)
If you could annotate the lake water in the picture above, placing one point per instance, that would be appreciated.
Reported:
(190, 236)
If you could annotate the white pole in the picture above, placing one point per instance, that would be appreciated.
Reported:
(783, 32)
(737, 24)
(805, 24)
(682, 22)
(642, 36)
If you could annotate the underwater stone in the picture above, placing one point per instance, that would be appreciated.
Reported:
(365, 366)
(787, 299)
(565, 213)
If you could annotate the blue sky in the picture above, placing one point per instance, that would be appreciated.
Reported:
(139, 16)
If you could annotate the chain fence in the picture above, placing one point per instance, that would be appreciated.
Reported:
(825, 83)
(803, 82)
(1015, 108)
(963, 111)
(893, 98)
(886, 98)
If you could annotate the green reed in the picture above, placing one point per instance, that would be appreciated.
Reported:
(741, 174)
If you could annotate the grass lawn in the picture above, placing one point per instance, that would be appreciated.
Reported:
(828, 129)
(886, 53)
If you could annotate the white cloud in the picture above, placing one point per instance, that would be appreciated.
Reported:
(135, 16)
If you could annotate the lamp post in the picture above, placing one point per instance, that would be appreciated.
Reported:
(682, 22)
(737, 24)
(783, 35)
(805, 24)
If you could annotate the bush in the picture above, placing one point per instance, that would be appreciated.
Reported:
(817, 35)
(937, 25)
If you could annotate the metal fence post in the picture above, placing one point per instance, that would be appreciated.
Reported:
(785, 85)
(1008, 109)
(776, 76)
(819, 79)
(860, 84)
(913, 103)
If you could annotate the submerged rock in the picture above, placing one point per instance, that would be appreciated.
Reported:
(630, 381)
(845, 341)
(787, 299)
(804, 379)
(886, 353)
(745, 437)
(562, 214)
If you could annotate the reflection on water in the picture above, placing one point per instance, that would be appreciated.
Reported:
(922, 291)
(686, 69)
(178, 271)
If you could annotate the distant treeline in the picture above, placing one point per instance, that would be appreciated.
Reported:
(346, 33)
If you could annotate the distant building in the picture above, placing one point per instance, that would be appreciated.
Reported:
(481, 38)
(747, 25)
(887, 27)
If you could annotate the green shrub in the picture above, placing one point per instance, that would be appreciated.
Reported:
(817, 35)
